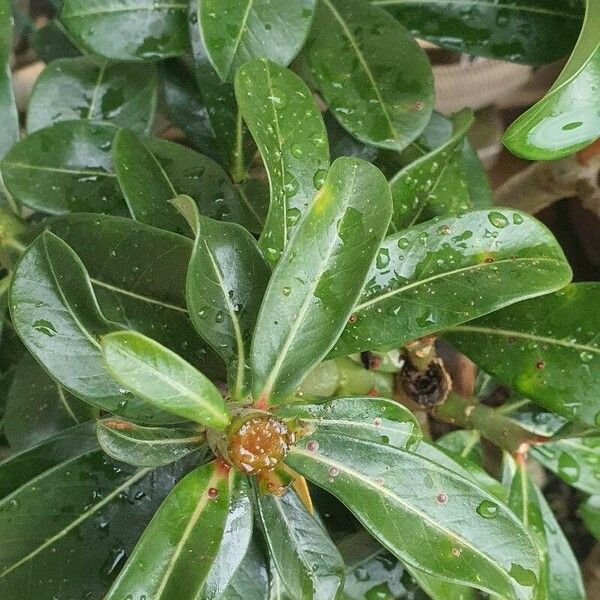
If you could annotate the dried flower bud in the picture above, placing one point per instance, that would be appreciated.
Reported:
(429, 387)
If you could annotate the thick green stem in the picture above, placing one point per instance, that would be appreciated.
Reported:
(491, 423)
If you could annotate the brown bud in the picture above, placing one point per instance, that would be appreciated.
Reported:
(429, 387)
(259, 444)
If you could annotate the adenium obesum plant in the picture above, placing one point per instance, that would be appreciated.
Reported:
(225, 363)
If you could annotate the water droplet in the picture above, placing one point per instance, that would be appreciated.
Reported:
(487, 509)
(319, 178)
(403, 243)
(497, 219)
(586, 356)
(297, 150)
(540, 364)
(293, 214)
(333, 471)
(286, 291)
(219, 317)
(517, 218)
(383, 258)
(573, 125)
(523, 576)
(44, 327)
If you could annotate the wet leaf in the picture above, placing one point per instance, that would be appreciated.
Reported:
(561, 577)
(55, 313)
(235, 32)
(147, 446)
(371, 419)
(138, 273)
(423, 513)
(128, 29)
(433, 185)
(63, 168)
(567, 118)
(528, 31)
(87, 88)
(287, 126)
(152, 171)
(165, 563)
(545, 348)
(226, 280)
(319, 277)
(463, 266)
(38, 408)
(47, 525)
(375, 79)
(251, 579)
(21, 467)
(575, 460)
(9, 119)
(306, 559)
(52, 41)
(163, 378)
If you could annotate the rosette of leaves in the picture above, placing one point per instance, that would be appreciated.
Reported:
(179, 380)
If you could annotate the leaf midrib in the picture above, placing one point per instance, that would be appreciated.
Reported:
(427, 280)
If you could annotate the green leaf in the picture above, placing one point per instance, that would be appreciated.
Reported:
(166, 563)
(546, 349)
(9, 118)
(86, 88)
(465, 266)
(433, 184)
(426, 515)
(251, 579)
(138, 273)
(65, 168)
(371, 419)
(235, 32)
(152, 171)
(589, 511)
(567, 118)
(306, 559)
(376, 80)
(55, 313)
(560, 569)
(128, 29)
(574, 460)
(319, 277)
(23, 466)
(288, 128)
(52, 41)
(38, 408)
(147, 446)
(76, 523)
(527, 31)
(163, 378)
(186, 108)
(226, 280)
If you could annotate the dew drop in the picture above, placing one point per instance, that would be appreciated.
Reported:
(487, 509)
(319, 178)
(497, 219)
(286, 291)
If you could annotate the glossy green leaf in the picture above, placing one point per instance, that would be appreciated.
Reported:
(546, 349)
(372, 419)
(251, 579)
(147, 446)
(52, 41)
(288, 128)
(38, 408)
(438, 589)
(226, 280)
(589, 511)
(163, 378)
(560, 569)
(375, 79)
(152, 171)
(575, 460)
(235, 32)
(319, 277)
(55, 313)
(234, 144)
(528, 31)
(567, 118)
(75, 523)
(20, 467)
(174, 556)
(433, 184)
(426, 515)
(128, 29)
(464, 266)
(138, 273)
(306, 559)
(86, 88)
(9, 119)
(65, 168)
